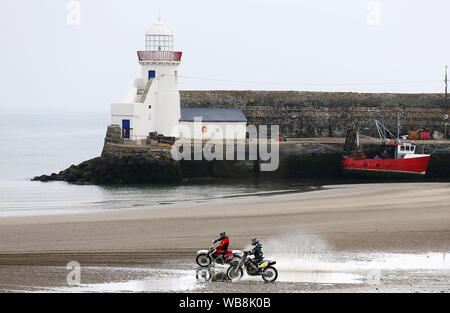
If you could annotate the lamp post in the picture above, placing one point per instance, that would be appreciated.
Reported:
(446, 104)
(446, 130)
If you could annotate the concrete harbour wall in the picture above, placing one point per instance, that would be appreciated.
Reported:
(326, 114)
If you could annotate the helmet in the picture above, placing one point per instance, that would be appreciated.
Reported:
(223, 234)
(255, 241)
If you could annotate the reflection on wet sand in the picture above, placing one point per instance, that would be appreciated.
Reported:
(337, 271)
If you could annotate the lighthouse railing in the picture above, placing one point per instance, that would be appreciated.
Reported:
(174, 56)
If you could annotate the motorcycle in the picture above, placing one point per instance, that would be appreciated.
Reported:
(265, 269)
(204, 257)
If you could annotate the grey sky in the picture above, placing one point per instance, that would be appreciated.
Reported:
(47, 65)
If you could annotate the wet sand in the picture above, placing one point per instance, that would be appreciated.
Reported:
(350, 220)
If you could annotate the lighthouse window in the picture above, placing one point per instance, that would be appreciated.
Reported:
(159, 43)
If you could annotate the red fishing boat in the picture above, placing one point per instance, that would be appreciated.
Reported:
(395, 158)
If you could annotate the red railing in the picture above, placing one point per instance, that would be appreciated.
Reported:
(159, 56)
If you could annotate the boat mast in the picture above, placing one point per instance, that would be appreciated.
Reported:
(398, 126)
(383, 131)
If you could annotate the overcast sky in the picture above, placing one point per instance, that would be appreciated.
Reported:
(51, 65)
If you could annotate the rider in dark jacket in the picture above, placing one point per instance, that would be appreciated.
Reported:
(257, 250)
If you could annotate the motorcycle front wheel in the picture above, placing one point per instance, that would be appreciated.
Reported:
(234, 273)
(203, 260)
(270, 274)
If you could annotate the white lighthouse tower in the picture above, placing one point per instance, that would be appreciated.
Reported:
(152, 102)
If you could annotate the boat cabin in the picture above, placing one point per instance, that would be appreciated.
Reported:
(406, 151)
(398, 150)
(406, 148)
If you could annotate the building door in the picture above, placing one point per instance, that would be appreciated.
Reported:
(151, 74)
(125, 128)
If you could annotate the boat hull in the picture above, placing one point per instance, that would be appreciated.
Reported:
(416, 166)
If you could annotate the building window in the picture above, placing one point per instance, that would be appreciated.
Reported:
(149, 107)
(176, 77)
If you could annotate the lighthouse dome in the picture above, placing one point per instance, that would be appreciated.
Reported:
(159, 38)
(159, 29)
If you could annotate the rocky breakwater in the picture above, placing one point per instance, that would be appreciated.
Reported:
(142, 163)
(120, 163)
(130, 167)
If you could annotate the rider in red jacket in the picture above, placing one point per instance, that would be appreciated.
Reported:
(223, 246)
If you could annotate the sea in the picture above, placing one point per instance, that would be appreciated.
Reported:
(37, 144)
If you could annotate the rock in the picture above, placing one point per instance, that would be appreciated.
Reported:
(43, 178)
(113, 134)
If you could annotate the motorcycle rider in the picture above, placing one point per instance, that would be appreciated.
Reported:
(223, 246)
(257, 251)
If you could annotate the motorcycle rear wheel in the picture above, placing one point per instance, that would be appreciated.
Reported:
(235, 273)
(270, 274)
(203, 260)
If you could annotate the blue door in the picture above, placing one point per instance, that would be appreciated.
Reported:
(125, 128)
(151, 74)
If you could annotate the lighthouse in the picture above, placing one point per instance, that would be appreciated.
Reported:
(152, 102)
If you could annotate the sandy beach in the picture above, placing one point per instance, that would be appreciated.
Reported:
(408, 219)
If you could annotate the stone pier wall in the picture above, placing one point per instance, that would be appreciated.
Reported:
(327, 114)
(297, 159)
